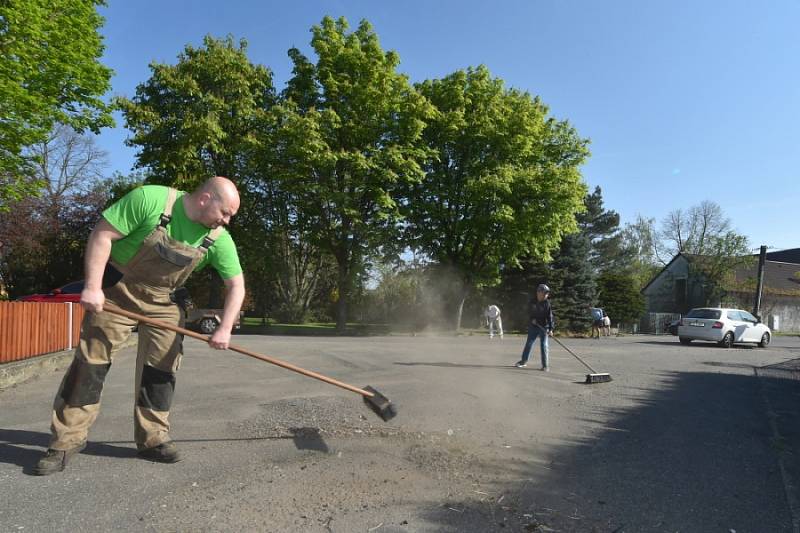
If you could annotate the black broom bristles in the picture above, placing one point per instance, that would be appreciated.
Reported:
(380, 404)
(598, 378)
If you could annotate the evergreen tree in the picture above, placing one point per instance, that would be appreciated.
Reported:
(620, 298)
(573, 283)
(601, 227)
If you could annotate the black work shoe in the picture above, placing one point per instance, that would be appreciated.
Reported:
(166, 452)
(55, 460)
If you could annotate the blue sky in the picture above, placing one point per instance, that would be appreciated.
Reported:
(683, 101)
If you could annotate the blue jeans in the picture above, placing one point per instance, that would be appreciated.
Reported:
(533, 332)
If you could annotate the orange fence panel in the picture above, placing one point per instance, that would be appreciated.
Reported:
(28, 329)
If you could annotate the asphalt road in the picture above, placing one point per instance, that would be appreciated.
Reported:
(686, 439)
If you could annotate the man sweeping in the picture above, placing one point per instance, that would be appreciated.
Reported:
(145, 246)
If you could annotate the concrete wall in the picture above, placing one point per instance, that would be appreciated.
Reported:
(786, 308)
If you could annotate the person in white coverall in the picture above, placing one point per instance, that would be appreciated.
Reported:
(492, 314)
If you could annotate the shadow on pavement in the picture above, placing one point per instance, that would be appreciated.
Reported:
(721, 364)
(18, 446)
(309, 439)
(699, 344)
(787, 370)
(445, 364)
(14, 448)
(698, 455)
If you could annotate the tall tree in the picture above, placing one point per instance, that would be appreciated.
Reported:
(573, 282)
(197, 118)
(49, 73)
(601, 227)
(502, 181)
(705, 233)
(702, 229)
(639, 245)
(349, 131)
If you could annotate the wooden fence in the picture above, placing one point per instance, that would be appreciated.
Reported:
(28, 329)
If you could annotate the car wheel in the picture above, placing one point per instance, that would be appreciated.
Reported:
(727, 340)
(764, 340)
(208, 325)
(684, 340)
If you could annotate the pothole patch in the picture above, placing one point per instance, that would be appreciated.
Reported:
(330, 416)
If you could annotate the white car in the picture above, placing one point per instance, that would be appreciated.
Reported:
(724, 326)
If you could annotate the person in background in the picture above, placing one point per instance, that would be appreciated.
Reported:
(540, 325)
(493, 319)
(597, 320)
(606, 324)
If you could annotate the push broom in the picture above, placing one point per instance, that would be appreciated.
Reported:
(595, 376)
(376, 401)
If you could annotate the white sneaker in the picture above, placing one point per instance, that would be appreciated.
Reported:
(520, 364)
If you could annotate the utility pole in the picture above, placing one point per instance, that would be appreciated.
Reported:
(762, 260)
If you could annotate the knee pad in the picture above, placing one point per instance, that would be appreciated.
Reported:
(84, 383)
(157, 389)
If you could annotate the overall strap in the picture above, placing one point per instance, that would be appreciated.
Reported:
(166, 216)
(212, 236)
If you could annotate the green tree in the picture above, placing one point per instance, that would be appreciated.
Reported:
(197, 118)
(49, 73)
(573, 282)
(601, 226)
(502, 181)
(348, 130)
(620, 298)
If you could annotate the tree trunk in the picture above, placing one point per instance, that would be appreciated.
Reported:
(344, 294)
(464, 295)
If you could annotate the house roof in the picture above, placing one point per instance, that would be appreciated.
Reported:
(779, 277)
(785, 256)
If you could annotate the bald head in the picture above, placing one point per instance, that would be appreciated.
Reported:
(213, 203)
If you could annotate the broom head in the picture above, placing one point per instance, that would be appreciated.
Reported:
(598, 378)
(380, 404)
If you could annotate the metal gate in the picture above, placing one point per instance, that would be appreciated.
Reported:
(657, 323)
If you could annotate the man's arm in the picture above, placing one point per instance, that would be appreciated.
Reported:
(98, 250)
(234, 297)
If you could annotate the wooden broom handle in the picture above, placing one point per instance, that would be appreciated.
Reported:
(111, 308)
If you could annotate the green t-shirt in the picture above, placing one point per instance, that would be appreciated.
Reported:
(139, 211)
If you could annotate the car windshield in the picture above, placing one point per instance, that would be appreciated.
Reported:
(704, 313)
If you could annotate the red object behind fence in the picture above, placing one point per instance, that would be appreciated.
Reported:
(31, 329)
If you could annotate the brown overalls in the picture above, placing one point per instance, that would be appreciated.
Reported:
(160, 266)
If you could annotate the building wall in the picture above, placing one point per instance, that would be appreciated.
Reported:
(675, 290)
(788, 312)
(786, 308)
